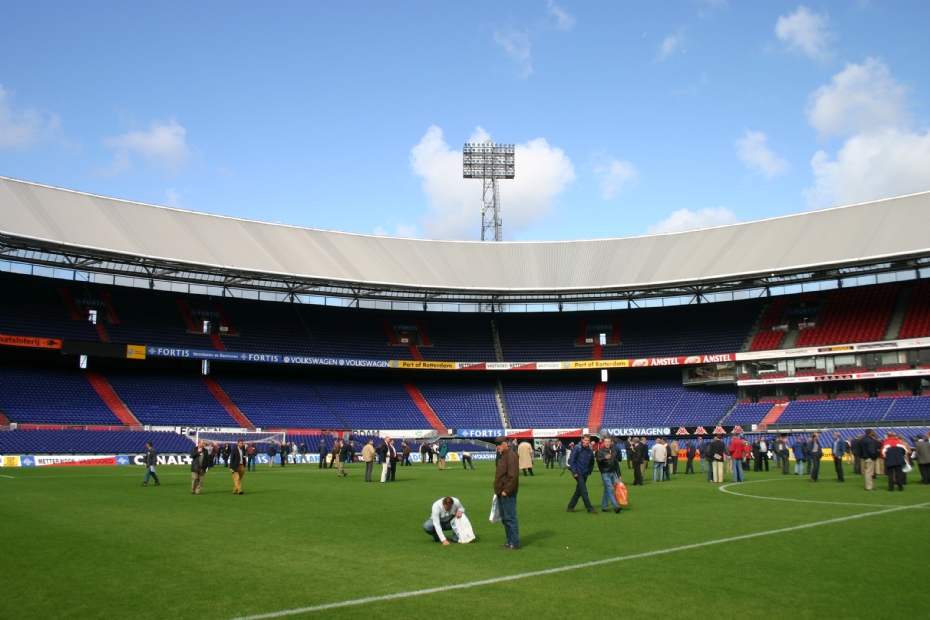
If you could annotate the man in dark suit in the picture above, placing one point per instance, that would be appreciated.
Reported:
(690, 452)
(237, 466)
(854, 448)
(839, 449)
(814, 454)
(640, 455)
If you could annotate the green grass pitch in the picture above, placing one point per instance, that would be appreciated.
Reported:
(90, 542)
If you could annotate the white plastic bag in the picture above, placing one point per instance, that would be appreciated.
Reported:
(495, 511)
(462, 528)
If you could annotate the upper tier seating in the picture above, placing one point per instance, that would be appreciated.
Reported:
(90, 442)
(917, 318)
(49, 395)
(853, 315)
(370, 402)
(766, 339)
(748, 413)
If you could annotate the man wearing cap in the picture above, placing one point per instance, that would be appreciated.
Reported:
(444, 510)
(506, 485)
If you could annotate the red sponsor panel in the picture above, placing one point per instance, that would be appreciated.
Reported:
(30, 342)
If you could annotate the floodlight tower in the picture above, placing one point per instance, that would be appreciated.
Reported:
(489, 162)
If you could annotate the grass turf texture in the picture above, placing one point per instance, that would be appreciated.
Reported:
(90, 542)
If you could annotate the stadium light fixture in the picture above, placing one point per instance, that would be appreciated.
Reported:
(489, 162)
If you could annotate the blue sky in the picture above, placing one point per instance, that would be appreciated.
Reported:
(628, 117)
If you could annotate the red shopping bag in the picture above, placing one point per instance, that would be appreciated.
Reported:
(620, 493)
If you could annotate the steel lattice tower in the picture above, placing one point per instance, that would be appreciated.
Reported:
(489, 162)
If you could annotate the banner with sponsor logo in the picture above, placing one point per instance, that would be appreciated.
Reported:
(422, 365)
(853, 376)
(29, 342)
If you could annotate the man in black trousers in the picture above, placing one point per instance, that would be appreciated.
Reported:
(639, 457)
(581, 463)
(690, 452)
(815, 452)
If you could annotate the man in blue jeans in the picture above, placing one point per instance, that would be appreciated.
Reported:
(608, 464)
(581, 463)
(151, 460)
(506, 485)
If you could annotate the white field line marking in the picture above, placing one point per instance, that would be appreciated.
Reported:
(562, 569)
(10, 477)
(788, 499)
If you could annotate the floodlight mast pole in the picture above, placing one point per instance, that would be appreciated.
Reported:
(489, 162)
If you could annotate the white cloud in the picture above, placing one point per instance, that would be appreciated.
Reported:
(877, 164)
(882, 155)
(517, 45)
(172, 197)
(542, 173)
(669, 46)
(685, 219)
(613, 175)
(24, 128)
(163, 146)
(805, 32)
(752, 149)
(563, 21)
(859, 98)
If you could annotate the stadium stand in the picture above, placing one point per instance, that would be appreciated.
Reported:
(90, 442)
(853, 315)
(547, 402)
(657, 401)
(279, 402)
(463, 404)
(748, 413)
(49, 395)
(917, 319)
(169, 399)
(767, 339)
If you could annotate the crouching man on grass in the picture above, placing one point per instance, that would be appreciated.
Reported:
(444, 510)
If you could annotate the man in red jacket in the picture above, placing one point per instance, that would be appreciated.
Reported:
(738, 451)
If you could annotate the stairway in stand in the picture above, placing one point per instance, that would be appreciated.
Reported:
(111, 398)
(425, 409)
(772, 416)
(220, 395)
(597, 406)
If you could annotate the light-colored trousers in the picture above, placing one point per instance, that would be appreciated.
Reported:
(385, 468)
(718, 471)
(197, 481)
(868, 470)
(238, 475)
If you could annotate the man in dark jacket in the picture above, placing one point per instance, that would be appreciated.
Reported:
(506, 485)
(868, 447)
(272, 450)
(608, 464)
(285, 451)
(581, 464)
(716, 451)
(640, 456)
(199, 457)
(237, 465)
(839, 449)
(814, 453)
(323, 450)
(150, 461)
(854, 448)
(690, 451)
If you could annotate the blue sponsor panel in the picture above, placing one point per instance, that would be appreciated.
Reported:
(122, 460)
(263, 358)
(27, 461)
(479, 433)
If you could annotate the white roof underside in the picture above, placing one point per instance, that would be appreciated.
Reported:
(883, 230)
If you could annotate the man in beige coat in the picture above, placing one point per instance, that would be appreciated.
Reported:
(368, 456)
(525, 452)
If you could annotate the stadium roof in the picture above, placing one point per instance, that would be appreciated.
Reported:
(40, 224)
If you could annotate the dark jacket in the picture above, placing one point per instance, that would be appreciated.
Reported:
(581, 461)
(323, 450)
(640, 452)
(868, 448)
(608, 460)
(198, 456)
(151, 457)
(691, 451)
(507, 477)
(235, 459)
(716, 447)
(344, 453)
(815, 454)
(841, 445)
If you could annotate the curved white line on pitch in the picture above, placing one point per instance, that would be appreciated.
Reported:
(562, 569)
(802, 501)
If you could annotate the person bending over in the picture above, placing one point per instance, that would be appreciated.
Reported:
(444, 510)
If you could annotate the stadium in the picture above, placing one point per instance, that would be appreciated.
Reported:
(125, 323)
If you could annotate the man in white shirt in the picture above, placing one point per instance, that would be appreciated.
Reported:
(659, 456)
(444, 510)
